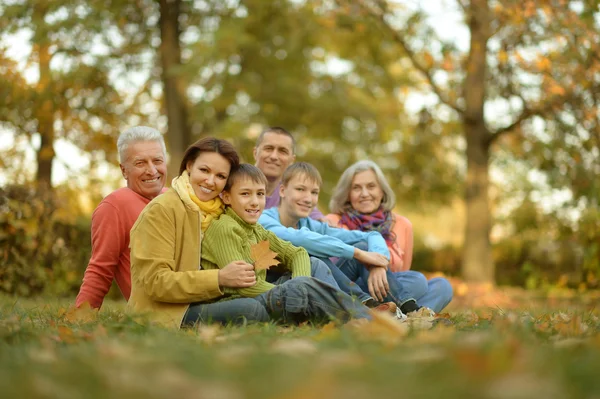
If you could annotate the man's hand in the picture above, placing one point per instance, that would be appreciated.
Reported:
(371, 258)
(238, 274)
(378, 283)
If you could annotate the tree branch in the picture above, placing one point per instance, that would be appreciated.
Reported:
(526, 114)
(380, 16)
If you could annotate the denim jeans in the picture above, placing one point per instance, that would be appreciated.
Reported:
(436, 293)
(355, 271)
(344, 283)
(308, 299)
(237, 311)
(326, 271)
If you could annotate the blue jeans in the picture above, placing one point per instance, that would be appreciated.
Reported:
(343, 282)
(237, 311)
(355, 270)
(326, 271)
(436, 293)
(308, 299)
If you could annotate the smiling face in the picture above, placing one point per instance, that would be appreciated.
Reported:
(298, 197)
(274, 154)
(145, 168)
(247, 198)
(365, 192)
(208, 175)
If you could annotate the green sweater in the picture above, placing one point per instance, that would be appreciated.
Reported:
(229, 239)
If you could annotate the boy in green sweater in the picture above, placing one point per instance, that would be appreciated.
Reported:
(230, 238)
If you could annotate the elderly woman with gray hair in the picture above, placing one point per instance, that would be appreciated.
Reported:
(363, 200)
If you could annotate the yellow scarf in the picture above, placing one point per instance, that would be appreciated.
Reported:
(209, 210)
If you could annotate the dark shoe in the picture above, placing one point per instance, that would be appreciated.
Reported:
(409, 306)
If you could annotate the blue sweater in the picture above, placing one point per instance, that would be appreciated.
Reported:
(319, 239)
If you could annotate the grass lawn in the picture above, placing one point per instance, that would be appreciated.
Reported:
(490, 352)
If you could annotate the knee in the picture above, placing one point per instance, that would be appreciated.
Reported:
(317, 267)
(362, 245)
(301, 281)
(417, 281)
(441, 288)
(254, 311)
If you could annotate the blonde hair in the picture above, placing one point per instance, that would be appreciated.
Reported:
(301, 168)
(340, 200)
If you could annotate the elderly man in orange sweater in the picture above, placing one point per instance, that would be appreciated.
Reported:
(142, 156)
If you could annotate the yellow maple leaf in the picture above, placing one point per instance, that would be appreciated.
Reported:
(263, 257)
(83, 314)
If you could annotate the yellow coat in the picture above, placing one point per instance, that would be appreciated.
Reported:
(166, 243)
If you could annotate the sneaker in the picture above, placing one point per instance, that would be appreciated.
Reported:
(409, 306)
(400, 316)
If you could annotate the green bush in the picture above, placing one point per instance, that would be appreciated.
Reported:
(39, 251)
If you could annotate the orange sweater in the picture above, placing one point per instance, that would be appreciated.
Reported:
(111, 222)
(401, 250)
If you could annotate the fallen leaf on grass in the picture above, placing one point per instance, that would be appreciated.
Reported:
(294, 347)
(66, 335)
(382, 327)
(571, 326)
(83, 314)
(208, 333)
(328, 331)
(439, 334)
(235, 355)
(263, 257)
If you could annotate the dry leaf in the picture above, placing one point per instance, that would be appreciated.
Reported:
(294, 347)
(208, 333)
(383, 327)
(83, 314)
(263, 257)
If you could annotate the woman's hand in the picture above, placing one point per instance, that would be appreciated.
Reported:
(238, 274)
(378, 283)
(371, 258)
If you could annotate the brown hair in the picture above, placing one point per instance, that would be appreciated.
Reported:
(245, 170)
(301, 168)
(210, 144)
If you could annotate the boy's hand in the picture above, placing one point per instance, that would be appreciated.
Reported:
(378, 284)
(371, 258)
(238, 274)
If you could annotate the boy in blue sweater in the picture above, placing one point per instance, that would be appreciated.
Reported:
(357, 254)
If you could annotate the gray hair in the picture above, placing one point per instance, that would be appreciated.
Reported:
(138, 133)
(340, 200)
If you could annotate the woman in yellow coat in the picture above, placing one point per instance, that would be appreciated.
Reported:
(166, 247)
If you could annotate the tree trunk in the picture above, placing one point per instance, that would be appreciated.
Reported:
(178, 134)
(45, 118)
(477, 262)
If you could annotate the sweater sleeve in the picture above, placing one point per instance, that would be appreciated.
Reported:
(375, 241)
(313, 241)
(153, 243)
(224, 242)
(404, 239)
(107, 245)
(295, 259)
